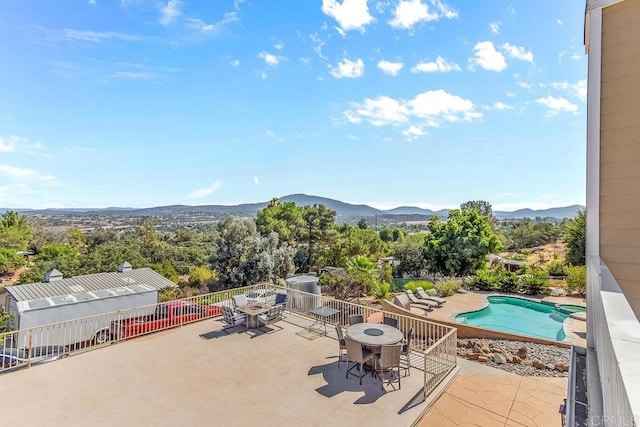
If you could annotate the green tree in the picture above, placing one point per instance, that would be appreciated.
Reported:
(10, 260)
(460, 245)
(15, 232)
(202, 277)
(410, 255)
(483, 208)
(575, 238)
(319, 230)
(282, 218)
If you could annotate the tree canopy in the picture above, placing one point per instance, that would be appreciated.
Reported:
(575, 238)
(459, 246)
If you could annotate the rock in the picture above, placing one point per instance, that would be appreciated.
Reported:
(471, 344)
(477, 349)
(561, 367)
(485, 347)
(499, 350)
(483, 359)
(473, 356)
(499, 359)
(556, 292)
(516, 360)
(527, 363)
(539, 365)
(522, 352)
(549, 366)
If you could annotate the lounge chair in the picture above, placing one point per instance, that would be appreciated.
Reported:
(240, 300)
(422, 294)
(232, 319)
(422, 302)
(272, 316)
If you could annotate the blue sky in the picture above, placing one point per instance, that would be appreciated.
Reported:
(414, 102)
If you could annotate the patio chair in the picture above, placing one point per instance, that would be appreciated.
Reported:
(358, 356)
(354, 319)
(406, 351)
(281, 299)
(390, 321)
(342, 345)
(388, 361)
(422, 294)
(272, 316)
(423, 302)
(240, 300)
(232, 319)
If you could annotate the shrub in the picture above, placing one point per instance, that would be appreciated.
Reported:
(381, 291)
(526, 252)
(485, 280)
(557, 268)
(448, 287)
(412, 285)
(577, 279)
(533, 283)
(509, 282)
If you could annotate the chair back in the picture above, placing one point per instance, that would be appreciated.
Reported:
(406, 348)
(240, 300)
(354, 319)
(281, 298)
(410, 294)
(390, 321)
(421, 293)
(227, 314)
(275, 313)
(390, 356)
(354, 350)
(339, 332)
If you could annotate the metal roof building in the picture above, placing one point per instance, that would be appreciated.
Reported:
(57, 286)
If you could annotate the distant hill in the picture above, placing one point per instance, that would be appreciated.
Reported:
(343, 210)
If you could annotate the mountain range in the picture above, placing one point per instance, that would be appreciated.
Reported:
(343, 210)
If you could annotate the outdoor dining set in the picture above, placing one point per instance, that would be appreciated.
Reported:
(377, 347)
(254, 313)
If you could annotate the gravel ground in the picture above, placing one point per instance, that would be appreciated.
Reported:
(545, 353)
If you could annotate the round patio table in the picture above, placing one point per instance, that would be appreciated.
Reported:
(374, 334)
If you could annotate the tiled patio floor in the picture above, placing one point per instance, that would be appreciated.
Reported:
(499, 400)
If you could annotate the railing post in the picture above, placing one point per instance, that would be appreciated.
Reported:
(29, 347)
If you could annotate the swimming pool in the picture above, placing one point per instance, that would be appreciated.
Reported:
(518, 316)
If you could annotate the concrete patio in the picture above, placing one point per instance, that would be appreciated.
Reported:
(197, 374)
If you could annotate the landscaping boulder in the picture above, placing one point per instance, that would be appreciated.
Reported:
(561, 367)
(516, 360)
(539, 365)
(471, 344)
(499, 359)
(522, 352)
(483, 359)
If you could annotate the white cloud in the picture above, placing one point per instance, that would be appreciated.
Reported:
(270, 59)
(14, 144)
(559, 21)
(487, 57)
(235, 63)
(518, 52)
(96, 36)
(279, 45)
(495, 27)
(92, 2)
(350, 14)
(197, 24)
(348, 68)
(557, 105)
(578, 88)
(170, 12)
(26, 174)
(440, 64)
(262, 74)
(444, 9)
(428, 109)
(256, 180)
(511, 94)
(134, 75)
(271, 134)
(318, 43)
(390, 68)
(500, 106)
(203, 192)
(524, 85)
(353, 137)
(410, 12)
(577, 57)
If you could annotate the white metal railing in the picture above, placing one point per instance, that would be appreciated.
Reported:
(434, 343)
(616, 340)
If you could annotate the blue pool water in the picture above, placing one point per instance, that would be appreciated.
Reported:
(518, 316)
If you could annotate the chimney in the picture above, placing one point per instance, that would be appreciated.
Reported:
(124, 267)
(53, 276)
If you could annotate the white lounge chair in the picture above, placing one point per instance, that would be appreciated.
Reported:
(422, 302)
(422, 294)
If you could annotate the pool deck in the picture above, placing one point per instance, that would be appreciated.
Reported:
(575, 329)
